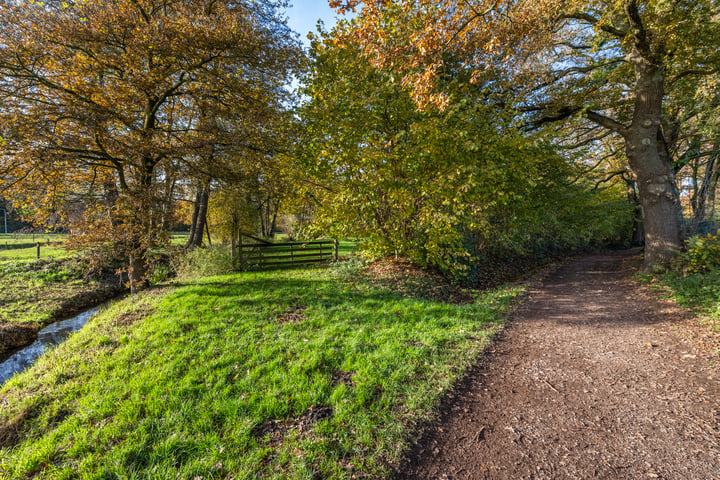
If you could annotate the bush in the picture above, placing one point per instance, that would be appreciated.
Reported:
(703, 253)
(202, 262)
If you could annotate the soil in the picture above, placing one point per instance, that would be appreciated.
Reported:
(593, 377)
(406, 278)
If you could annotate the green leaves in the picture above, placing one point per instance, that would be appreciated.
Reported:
(440, 187)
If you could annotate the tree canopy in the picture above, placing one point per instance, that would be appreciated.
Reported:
(443, 187)
(115, 101)
(630, 67)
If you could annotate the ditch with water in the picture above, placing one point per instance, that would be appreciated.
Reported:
(53, 334)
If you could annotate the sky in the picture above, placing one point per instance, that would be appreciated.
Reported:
(304, 14)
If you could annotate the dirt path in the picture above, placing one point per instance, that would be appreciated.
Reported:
(591, 379)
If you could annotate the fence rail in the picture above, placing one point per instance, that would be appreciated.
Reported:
(22, 246)
(16, 246)
(288, 254)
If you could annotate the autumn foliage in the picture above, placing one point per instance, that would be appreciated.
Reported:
(108, 107)
(444, 187)
(638, 70)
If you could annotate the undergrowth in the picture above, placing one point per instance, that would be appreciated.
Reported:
(699, 291)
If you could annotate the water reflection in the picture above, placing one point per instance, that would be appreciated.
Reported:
(51, 335)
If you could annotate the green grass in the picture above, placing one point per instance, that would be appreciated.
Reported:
(295, 374)
(179, 238)
(34, 291)
(698, 291)
(28, 254)
(19, 238)
(49, 248)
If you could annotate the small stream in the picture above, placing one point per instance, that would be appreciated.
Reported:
(53, 334)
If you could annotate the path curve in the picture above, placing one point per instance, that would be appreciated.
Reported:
(590, 379)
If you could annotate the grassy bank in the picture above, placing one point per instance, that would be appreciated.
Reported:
(292, 374)
(35, 291)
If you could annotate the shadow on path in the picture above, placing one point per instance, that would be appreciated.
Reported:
(589, 380)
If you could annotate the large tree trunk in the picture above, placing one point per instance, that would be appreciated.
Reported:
(142, 236)
(647, 155)
(137, 271)
(197, 228)
(193, 220)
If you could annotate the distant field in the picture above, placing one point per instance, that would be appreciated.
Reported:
(179, 238)
(49, 247)
(20, 238)
(31, 253)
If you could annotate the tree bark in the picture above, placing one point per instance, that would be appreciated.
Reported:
(137, 272)
(197, 228)
(194, 218)
(647, 155)
(703, 194)
(638, 237)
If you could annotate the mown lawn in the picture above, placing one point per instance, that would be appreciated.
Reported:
(295, 374)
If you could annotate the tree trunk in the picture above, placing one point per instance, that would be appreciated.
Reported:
(711, 195)
(703, 194)
(111, 199)
(207, 230)
(647, 155)
(197, 228)
(193, 220)
(137, 272)
(637, 228)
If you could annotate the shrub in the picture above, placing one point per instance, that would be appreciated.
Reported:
(703, 253)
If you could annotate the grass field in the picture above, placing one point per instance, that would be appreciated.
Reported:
(21, 238)
(298, 374)
(48, 248)
(179, 238)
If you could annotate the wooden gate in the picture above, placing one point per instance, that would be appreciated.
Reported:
(288, 254)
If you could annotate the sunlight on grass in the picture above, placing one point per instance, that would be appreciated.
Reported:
(698, 291)
(292, 374)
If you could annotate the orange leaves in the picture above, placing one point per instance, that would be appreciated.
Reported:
(109, 103)
(416, 37)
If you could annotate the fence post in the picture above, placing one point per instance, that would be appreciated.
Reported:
(335, 249)
(292, 255)
(38, 250)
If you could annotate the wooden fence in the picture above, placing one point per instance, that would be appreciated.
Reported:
(288, 254)
(17, 246)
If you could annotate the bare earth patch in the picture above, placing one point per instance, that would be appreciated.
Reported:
(409, 280)
(592, 378)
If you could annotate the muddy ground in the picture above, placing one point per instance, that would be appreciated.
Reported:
(594, 377)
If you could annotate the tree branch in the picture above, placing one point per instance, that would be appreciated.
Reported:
(586, 17)
(608, 123)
